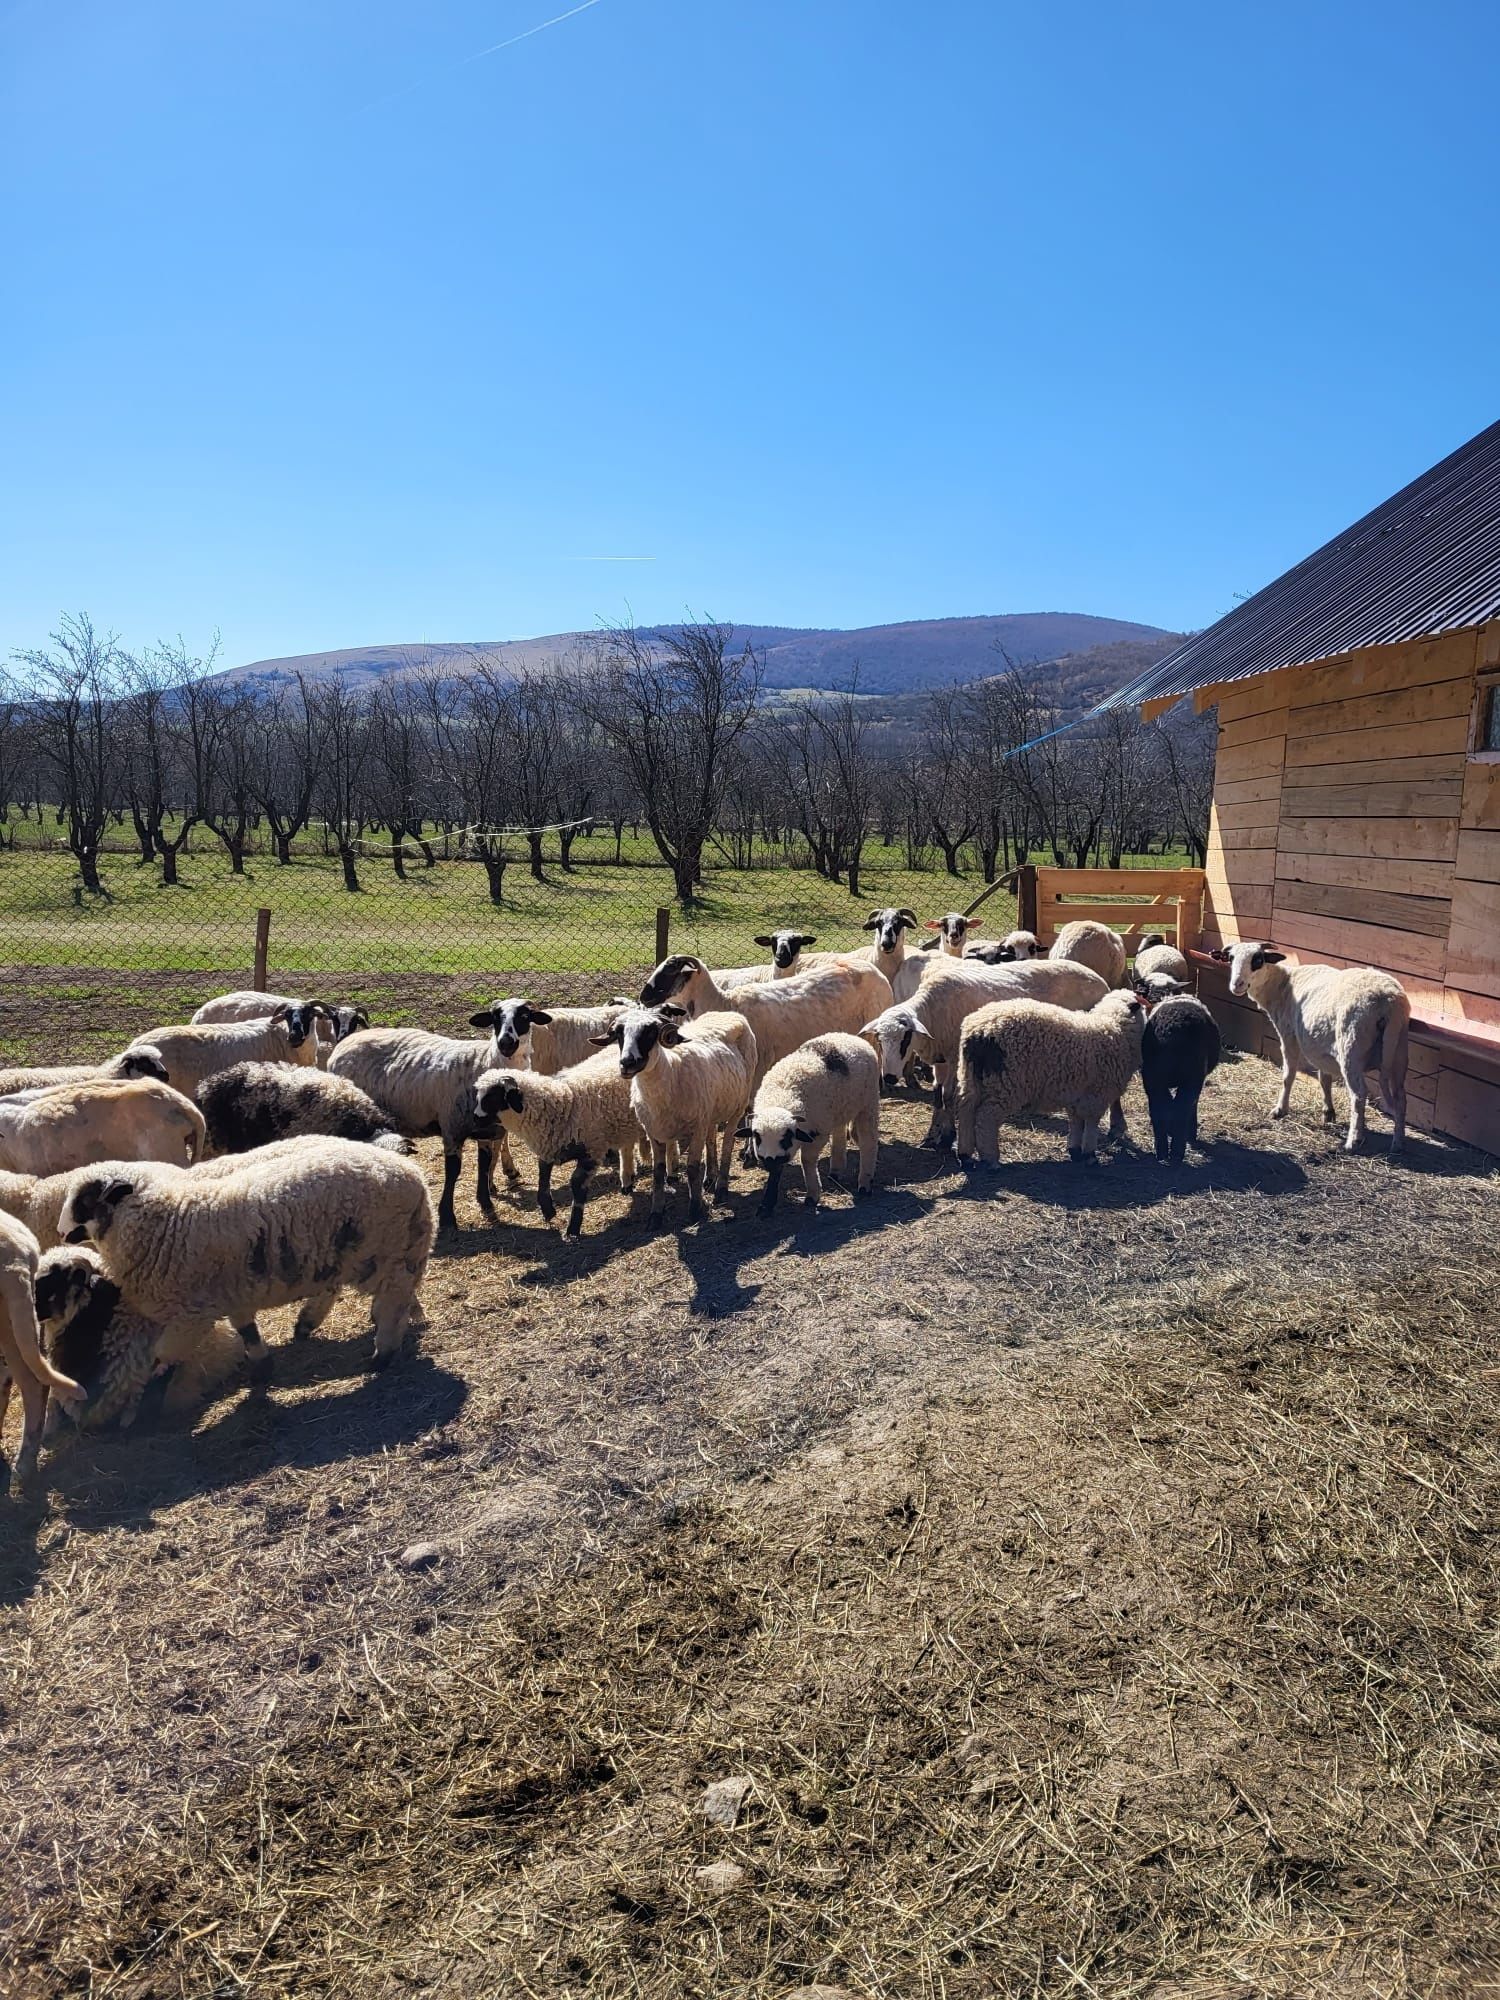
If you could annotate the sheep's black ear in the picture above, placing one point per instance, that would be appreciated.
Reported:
(1272, 957)
(872, 922)
(743, 1132)
(1221, 953)
(803, 1138)
(671, 1011)
(909, 918)
(766, 941)
(808, 937)
(278, 1013)
(117, 1191)
(614, 1036)
(484, 1019)
(540, 1018)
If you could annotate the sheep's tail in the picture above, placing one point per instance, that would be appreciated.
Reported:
(1390, 1055)
(19, 1300)
(392, 1142)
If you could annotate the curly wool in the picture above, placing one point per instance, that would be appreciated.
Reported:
(782, 1013)
(193, 1054)
(1155, 957)
(829, 1087)
(255, 1103)
(1022, 1057)
(1094, 945)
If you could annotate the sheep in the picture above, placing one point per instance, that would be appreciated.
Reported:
(23, 1364)
(331, 1023)
(1093, 945)
(581, 1116)
(291, 1224)
(254, 1103)
(193, 1054)
(425, 1085)
(1020, 1056)
(786, 949)
(74, 1124)
(953, 931)
(547, 1040)
(814, 1098)
(1015, 948)
(686, 1086)
(951, 991)
(1181, 1046)
(134, 1063)
(784, 1013)
(888, 952)
(113, 1352)
(1331, 1022)
(1154, 955)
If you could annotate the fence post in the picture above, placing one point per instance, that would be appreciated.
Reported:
(663, 931)
(1026, 897)
(262, 946)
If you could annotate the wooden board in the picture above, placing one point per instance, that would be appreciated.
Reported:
(1361, 944)
(1242, 819)
(1250, 760)
(1481, 805)
(1139, 883)
(1243, 912)
(1397, 739)
(1426, 839)
(1246, 865)
(1404, 799)
(1358, 871)
(1381, 669)
(1380, 771)
(1253, 729)
(1474, 938)
(1378, 711)
(1239, 791)
(1469, 1110)
(1426, 916)
(1478, 858)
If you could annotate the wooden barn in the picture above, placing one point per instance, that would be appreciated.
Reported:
(1356, 816)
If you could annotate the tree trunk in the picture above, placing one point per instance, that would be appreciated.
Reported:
(565, 840)
(283, 848)
(534, 852)
(88, 867)
(398, 859)
(854, 876)
(347, 857)
(494, 868)
(144, 835)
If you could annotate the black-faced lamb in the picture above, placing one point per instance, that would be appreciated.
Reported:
(820, 1095)
(1153, 955)
(579, 1118)
(1094, 945)
(1181, 1047)
(545, 1039)
(255, 1103)
(1334, 1023)
(23, 1362)
(73, 1124)
(1021, 1057)
(191, 1055)
(133, 1064)
(292, 1224)
(331, 1023)
(783, 1013)
(688, 1085)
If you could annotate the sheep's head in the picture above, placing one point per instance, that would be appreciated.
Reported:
(143, 1061)
(348, 1020)
(670, 977)
(774, 1133)
(300, 1018)
(1020, 945)
(510, 1023)
(1154, 987)
(952, 931)
(888, 924)
(639, 1033)
(785, 947)
(498, 1101)
(91, 1207)
(893, 1035)
(1244, 961)
(66, 1279)
(1124, 1008)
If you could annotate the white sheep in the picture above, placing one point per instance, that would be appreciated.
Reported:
(929, 1023)
(816, 1097)
(545, 1039)
(687, 1085)
(1021, 1057)
(194, 1054)
(254, 1103)
(425, 1084)
(1334, 1023)
(1154, 955)
(331, 1023)
(288, 1224)
(783, 1013)
(73, 1124)
(953, 932)
(580, 1117)
(1095, 945)
(132, 1064)
(23, 1363)
(1015, 948)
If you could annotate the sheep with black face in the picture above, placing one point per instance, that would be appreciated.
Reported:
(128, 1067)
(819, 1096)
(579, 1118)
(1180, 1049)
(192, 1054)
(688, 1085)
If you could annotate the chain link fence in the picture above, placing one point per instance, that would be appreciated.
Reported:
(422, 944)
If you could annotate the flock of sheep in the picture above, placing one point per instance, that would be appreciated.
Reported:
(259, 1156)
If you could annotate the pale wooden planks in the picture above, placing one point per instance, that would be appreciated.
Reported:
(1474, 938)
(1381, 771)
(1362, 944)
(1382, 669)
(1424, 839)
(1356, 871)
(1443, 737)
(1426, 916)
(1481, 802)
(1478, 858)
(1435, 701)
(1401, 799)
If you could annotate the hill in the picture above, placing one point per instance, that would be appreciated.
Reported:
(891, 659)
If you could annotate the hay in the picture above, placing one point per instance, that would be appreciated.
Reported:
(1089, 1572)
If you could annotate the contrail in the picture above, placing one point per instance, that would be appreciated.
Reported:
(525, 35)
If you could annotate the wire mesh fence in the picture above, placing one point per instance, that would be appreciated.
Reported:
(423, 943)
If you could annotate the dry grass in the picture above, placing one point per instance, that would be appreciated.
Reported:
(1090, 1572)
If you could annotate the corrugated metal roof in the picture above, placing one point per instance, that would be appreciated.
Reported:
(1427, 561)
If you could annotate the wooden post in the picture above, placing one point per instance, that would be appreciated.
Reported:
(663, 931)
(262, 946)
(1026, 897)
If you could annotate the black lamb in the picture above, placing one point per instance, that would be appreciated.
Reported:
(1181, 1046)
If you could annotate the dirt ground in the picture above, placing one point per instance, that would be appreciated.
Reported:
(1085, 1578)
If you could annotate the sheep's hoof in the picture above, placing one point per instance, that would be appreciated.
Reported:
(513, 1177)
(1279, 1111)
(380, 1359)
(302, 1331)
(258, 1367)
(863, 1193)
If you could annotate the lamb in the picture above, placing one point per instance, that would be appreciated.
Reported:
(1093, 945)
(22, 1361)
(783, 1013)
(890, 925)
(583, 1116)
(1015, 948)
(1021, 1056)
(813, 1098)
(786, 949)
(254, 1103)
(953, 932)
(425, 1084)
(930, 1022)
(74, 1124)
(112, 1351)
(194, 1054)
(1331, 1022)
(287, 1225)
(547, 1040)
(135, 1062)
(687, 1086)
(1181, 1046)
(1153, 954)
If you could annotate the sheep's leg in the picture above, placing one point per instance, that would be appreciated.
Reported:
(810, 1173)
(627, 1167)
(312, 1314)
(452, 1161)
(1354, 1083)
(1117, 1126)
(726, 1154)
(965, 1126)
(484, 1175)
(987, 1134)
(1325, 1077)
(838, 1151)
(257, 1354)
(1090, 1137)
(697, 1211)
(33, 1423)
(544, 1199)
(658, 1178)
(6, 1383)
(1075, 1136)
(393, 1311)
(578, 1183)
(867, 1139)
(1289, 1069)
(508, 1165)
(1162, 1106)
(940, 1131)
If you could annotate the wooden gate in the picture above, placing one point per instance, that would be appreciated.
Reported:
(1133, 901)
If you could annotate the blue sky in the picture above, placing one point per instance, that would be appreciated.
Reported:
(322, 329)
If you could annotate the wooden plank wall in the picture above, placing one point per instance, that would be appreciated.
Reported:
(1350, 825)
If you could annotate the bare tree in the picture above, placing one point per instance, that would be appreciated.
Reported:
(1186, 748)
(286, 762)
(819, 751)
(947, 802)
(74, 688)
(676, 709)
(470, 721)
(344, 726)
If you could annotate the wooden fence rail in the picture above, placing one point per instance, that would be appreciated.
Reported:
(1133, 901)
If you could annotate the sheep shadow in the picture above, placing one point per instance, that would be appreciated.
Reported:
(713, 1253)
(1129, 1177)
